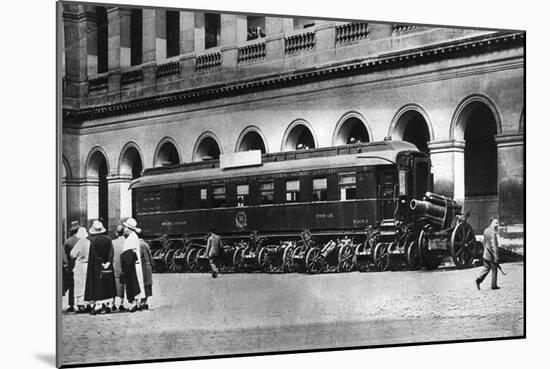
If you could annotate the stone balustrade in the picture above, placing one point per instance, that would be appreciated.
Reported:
(97, 84)
(299, 42)
(351, 32)
(208, 61)
(405, 28)
(168, 69)
(131, 76)
(252, 52)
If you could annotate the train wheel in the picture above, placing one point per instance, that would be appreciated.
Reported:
(413, 257)
(263, 260)
(238, 260)
(314, 261)
(381, 257)
(345, 259)
(169, 261)
(463, 241)
(179, 260)
(288, 265)
(157, 261)
(192, 260)
(201, 256)
(298, 260)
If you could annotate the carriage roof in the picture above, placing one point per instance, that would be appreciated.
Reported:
(370, 154)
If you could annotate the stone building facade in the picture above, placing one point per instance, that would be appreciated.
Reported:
(150, 87)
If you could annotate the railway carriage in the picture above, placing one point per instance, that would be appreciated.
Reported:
(335, 193)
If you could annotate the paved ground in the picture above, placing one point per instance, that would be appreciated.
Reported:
(194, 315)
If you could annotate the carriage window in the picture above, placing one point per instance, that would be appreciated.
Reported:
(347, 187)
(320, 189)
(242, 195)
(204, 198)
(293, 191)
(266, 193)
(218, 196)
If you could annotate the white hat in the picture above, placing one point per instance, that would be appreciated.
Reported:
(81, 233)
(132, 224)
(97, 228)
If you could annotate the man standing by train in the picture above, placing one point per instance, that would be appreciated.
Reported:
(213, 251)
(490, 254)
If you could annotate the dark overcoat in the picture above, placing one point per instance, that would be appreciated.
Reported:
(128, 265)
(146, 260)
(100, 286)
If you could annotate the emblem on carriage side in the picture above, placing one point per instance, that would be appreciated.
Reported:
(240, 219)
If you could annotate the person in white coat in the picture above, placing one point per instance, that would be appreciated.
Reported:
(132, 242)
(80, 253)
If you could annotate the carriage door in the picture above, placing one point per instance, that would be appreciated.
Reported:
(388, 194)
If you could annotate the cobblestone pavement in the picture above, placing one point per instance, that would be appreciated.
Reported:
(194, 315)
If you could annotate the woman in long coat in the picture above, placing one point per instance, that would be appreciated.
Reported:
(128, 260)
(80, 253)
(100, 276)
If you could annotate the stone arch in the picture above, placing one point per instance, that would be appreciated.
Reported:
(97, 171)
(94, 160)
(130, 161)
(464, 110)
(299, 133)
(66, 168)
(207, 147)
(251, 138)
(351, 127)
(476, 123)
(412, 124)
(166, 153)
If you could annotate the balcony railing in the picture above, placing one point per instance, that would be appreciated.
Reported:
(131, 76)
(208, 61)
(404, 28)
(351, 32)
(300, 42)
(98, 84)
(252, 52)
(168, 69)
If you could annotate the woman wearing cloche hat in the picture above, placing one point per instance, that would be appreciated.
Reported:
(100, 277)
(131, 253)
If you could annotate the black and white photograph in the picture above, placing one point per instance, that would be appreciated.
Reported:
(237, 183)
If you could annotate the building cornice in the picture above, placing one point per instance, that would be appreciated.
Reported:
(476, 45)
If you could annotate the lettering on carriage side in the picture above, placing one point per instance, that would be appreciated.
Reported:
(360, 221)
(171, 224)
(324, 215)
(240, 219)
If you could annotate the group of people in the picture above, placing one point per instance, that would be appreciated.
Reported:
(99, 272)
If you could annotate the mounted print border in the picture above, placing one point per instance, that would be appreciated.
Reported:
(244, 184)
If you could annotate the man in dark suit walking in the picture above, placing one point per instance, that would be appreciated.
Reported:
(213, 251)
(490, 254)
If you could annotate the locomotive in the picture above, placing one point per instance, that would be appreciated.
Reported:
(334, 193)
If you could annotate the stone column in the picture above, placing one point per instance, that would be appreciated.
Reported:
(199, 33)
(154, 43)
(75, 208)
(448, 168)
(119, 55)
(274, 40)
(75, 50)
(511, 201)
(90, 196)
(232, 34)
(90, 21)
(154, 35)
(187, 32)
(120, 199)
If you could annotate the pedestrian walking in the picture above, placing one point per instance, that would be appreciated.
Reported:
(490, 254)
(100, 278)
(79, 255)
(68, 265)
(146, 266)
(134, 293)
(118, 249)
(213, 251)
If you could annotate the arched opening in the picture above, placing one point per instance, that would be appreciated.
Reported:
(352, 131)
(98, 196)
(131, 165)
(477, 124)
(167, 154)
(480, 152)
(207, 149)
(252, 141)
(300, 137)
(411, 126)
